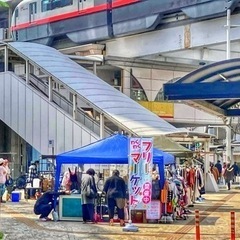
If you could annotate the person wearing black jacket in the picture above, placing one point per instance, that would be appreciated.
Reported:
(45, 204)
(115, 189)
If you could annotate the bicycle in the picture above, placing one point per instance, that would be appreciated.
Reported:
(13, 184)
(19, 183)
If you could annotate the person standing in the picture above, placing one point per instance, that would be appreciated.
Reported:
(115, 190)
(224, 168)
(9, 180)
(214, 172)
(3, 178)
(88, 193)
(229, 175)
(6, 165)
(235, 171)
(218, 165)
(32, 173)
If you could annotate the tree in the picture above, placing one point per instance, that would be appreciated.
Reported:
(4, 4)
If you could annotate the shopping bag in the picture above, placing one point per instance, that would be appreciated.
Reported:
(90, 192)
(55, 216)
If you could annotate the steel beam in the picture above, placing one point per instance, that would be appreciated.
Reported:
(201, 91)
(233, 113)
(202, 34)
(206, 107)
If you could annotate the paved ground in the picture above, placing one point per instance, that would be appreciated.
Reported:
(17, 221)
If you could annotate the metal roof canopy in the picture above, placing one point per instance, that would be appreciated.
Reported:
(166, 144)
(214, 88)
(116, 106)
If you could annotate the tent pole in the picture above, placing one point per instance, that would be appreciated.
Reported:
(161, 174)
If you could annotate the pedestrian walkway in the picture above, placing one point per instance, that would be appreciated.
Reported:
(18, 221)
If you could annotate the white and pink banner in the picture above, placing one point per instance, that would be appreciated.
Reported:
(140, 172)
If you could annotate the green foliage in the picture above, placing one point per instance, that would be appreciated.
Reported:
(4, 4)
(1, 235)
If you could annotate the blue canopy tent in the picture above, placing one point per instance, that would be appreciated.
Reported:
(111, 150)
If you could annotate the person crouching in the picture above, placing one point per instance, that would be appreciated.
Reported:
(45, 204)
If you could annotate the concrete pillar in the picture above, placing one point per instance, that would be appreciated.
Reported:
(126, 86)
(206, 162)
(228, 56)
(9, 22)
(1, 137)
(228, 28)
(15, 156)
(5, 59)
(229, 145)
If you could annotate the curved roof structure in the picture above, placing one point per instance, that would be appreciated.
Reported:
(115, 105)
(214, 87)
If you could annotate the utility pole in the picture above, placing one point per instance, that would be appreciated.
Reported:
(228, 119)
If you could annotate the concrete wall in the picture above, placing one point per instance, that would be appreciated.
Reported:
(36, 120)
(152, 81)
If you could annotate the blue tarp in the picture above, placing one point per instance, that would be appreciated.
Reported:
(111, 150)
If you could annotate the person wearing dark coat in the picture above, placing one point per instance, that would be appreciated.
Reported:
(229, 175)
(45, 204)
(87, 185)
(235, 171)
(115, 190)
(218, 165)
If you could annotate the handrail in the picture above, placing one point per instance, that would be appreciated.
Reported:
(67, 106)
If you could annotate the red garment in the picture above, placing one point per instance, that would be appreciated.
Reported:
(191, 178)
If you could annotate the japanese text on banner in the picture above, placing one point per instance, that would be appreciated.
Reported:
(140, 169)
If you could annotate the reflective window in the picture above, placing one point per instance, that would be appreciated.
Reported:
(33, 8)
(16, 12)
(137, 92)
(48, 5)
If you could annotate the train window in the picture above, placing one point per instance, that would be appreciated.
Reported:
(56, 4)
(16, 13)
(33, 8)
(48, 5)
(32, 11)
(66, 3)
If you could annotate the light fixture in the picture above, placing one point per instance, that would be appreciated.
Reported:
(223, 77)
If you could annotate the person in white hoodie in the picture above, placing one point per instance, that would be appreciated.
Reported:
(32, 173)
(3, 174)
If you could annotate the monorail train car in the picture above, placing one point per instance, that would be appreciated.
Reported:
(85, 21)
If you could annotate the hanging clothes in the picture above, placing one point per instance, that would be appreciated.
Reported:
(73, 179)
(190, 177)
